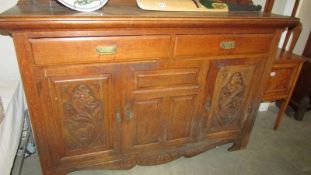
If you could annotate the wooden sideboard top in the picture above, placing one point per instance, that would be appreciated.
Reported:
(41, 15)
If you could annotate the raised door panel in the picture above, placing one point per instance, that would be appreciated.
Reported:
(147, 121)
(182, 112)
(231, 85)
(161, 104)
(81, 109)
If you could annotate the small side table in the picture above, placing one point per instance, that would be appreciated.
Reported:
(283, 78)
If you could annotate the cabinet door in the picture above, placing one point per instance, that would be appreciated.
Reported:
(231, 86)
(80, 111)
(161, 103)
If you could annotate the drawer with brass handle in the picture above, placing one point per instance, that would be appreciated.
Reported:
(230, 44)
(48, 51)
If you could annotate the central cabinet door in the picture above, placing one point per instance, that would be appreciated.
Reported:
(161, 103)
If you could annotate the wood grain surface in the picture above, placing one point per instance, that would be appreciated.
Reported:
(176, 84)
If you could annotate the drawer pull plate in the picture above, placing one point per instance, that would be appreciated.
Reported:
(128, 112)
(227, 44)
(118, 115)
(106, 50)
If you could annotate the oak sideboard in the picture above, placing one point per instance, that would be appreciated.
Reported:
(121, 86)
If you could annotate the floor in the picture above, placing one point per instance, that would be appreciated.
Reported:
(286, 151)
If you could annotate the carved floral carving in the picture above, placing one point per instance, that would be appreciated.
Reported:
(230, 99)
(83, 118)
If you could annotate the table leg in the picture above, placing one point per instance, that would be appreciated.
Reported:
(282, 109)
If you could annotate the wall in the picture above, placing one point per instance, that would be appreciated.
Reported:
(285, 7)
(304, 15)
(8, 63)
(279, 5)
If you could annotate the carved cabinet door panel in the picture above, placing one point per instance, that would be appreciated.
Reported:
(231, 85)
(161, 103)
(79, 107)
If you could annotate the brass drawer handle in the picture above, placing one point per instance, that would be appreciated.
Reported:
(227, 44)
(106, 50)
(117, 115)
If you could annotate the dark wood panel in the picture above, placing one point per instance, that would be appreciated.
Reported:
(301, 99)
(307, 50)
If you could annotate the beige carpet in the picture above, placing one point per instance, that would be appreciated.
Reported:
(286, 151)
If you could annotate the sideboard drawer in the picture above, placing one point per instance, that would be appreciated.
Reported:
(48, 51)
(166, 78)
(281, 80)
(230, 44)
